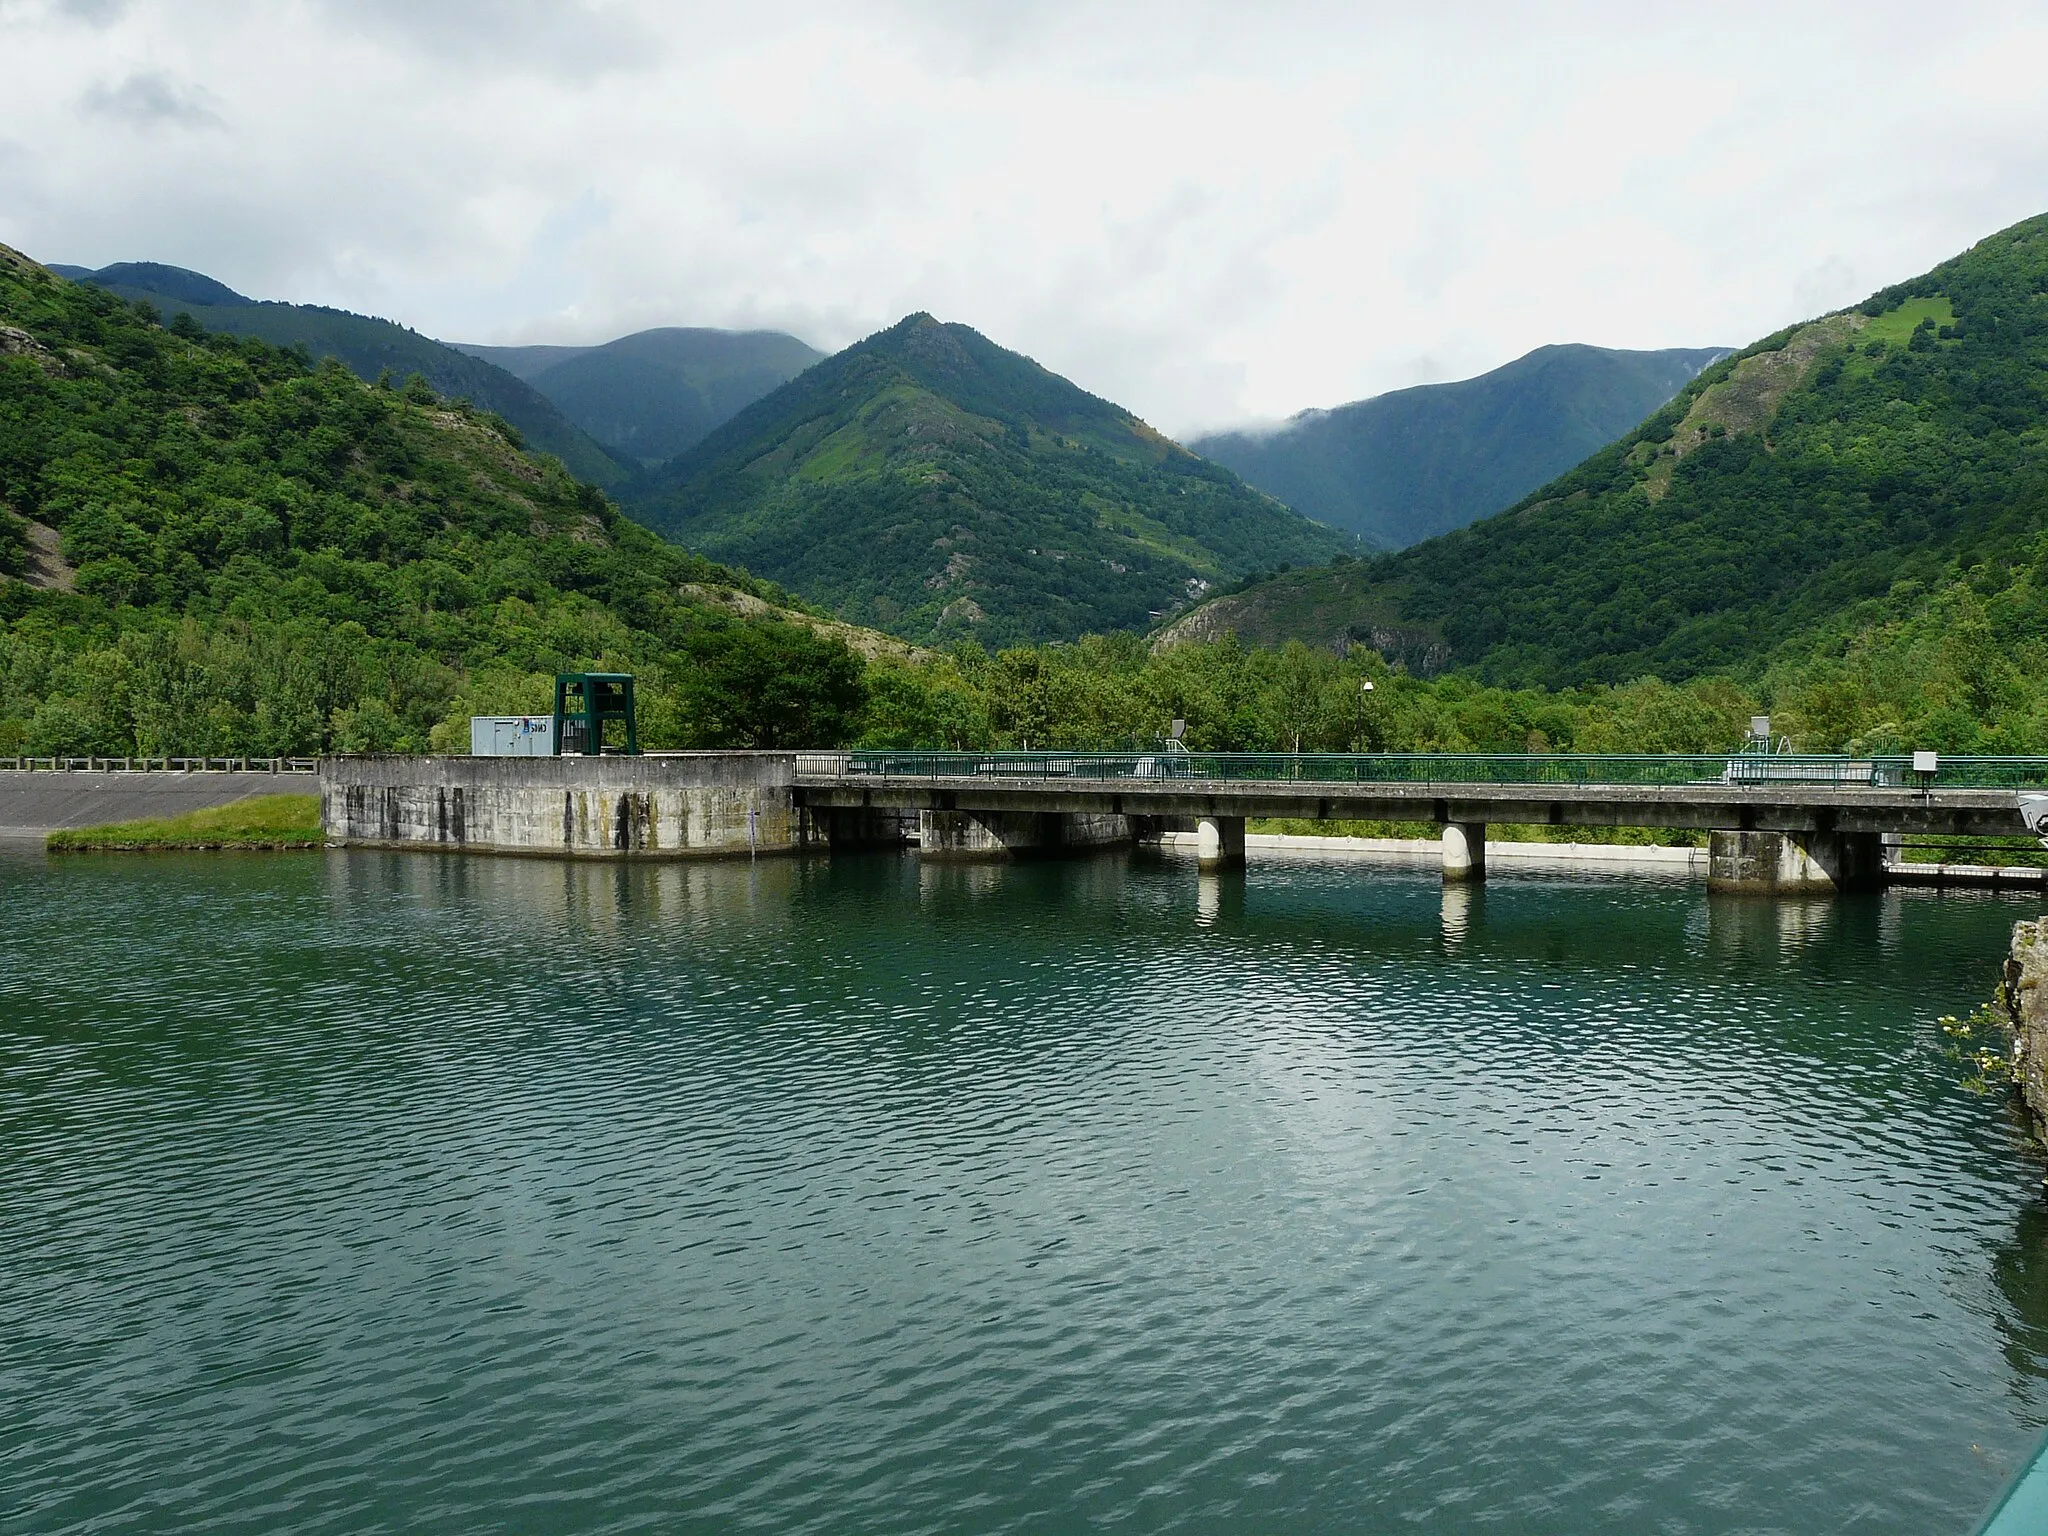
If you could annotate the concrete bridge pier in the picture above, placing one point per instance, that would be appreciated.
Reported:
(1464, 852)
(1219, 842)
(1795, 863)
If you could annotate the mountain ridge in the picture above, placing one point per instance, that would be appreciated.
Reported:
(257, 554)
(936, 485)
(369, 346)
(654, 394)
(1829, 476)
(1406, 465)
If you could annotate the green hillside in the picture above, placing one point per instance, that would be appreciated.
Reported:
(209, 544)
(1826, 479)
(652, 395)
(930, 483)
(368, 347)
(1406, 466)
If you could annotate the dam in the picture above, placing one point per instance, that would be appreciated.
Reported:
(1786, 824)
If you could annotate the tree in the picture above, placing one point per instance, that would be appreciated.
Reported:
(769, 685)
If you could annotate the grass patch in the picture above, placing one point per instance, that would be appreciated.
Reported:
(259, 822)
(1895, 327)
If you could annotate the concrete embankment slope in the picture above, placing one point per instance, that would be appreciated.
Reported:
(36, 804)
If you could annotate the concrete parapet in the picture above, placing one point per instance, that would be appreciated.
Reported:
(1464, 844)
(1794, 863)
(671, 804)
(1007, 834)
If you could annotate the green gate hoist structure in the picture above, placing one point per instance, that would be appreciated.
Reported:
(585, 703)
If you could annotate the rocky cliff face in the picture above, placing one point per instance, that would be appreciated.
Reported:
(2025, 996)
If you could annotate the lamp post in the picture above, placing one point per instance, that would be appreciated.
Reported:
(1364, 699)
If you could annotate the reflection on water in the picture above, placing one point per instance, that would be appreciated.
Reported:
(1461, 903)
(406, 1192)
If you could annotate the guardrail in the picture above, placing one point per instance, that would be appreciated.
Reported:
(1649, 770)
(159, 764)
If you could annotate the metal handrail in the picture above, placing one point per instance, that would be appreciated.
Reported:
(159, 764)
(1542, 768)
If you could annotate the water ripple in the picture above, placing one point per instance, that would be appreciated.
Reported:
(377, 1192)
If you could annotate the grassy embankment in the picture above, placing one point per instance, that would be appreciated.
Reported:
(260, 822)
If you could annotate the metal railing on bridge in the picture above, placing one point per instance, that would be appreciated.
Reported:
(1559, 768)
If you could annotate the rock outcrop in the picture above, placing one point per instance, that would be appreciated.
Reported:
(2025, 999)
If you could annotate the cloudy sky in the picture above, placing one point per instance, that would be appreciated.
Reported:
(1210, 213)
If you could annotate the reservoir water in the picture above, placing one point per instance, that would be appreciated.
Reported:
(367, 1192)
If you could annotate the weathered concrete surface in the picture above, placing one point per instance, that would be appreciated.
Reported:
(1464, 845)
(2025, 995)
(1008, 834)
(673, 805)
(1794, 864)
(36, 804)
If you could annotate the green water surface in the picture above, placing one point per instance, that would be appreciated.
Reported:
(367, 1192)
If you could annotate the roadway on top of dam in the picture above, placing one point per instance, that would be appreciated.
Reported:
(1965, 797)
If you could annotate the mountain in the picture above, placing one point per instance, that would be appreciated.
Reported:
(211, 545)
(1831, 476)
(652, 395)
(1405, 466)
(930, 483)
(368, 347)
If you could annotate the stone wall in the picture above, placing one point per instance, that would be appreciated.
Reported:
(668, 804)
(2025, 995)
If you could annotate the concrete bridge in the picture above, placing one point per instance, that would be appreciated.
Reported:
(1778, 823)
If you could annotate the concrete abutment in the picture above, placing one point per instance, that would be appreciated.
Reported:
(1794, 863)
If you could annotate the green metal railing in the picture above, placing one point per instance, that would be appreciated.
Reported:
(1560, 768)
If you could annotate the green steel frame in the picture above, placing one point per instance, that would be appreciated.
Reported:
(1564, 768)
(584, 701)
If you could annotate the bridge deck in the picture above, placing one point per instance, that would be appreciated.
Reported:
(1770, 807)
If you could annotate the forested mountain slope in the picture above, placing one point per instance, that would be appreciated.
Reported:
(1406, 466)
(368, 347)
(651, 395)
(1827, 477)
(208, 545)
(929, 482)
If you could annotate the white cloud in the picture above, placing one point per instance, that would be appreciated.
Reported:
(152, 99)
(1207, 212)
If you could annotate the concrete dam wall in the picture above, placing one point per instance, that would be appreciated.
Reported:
(665, 805)
(674, 805)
